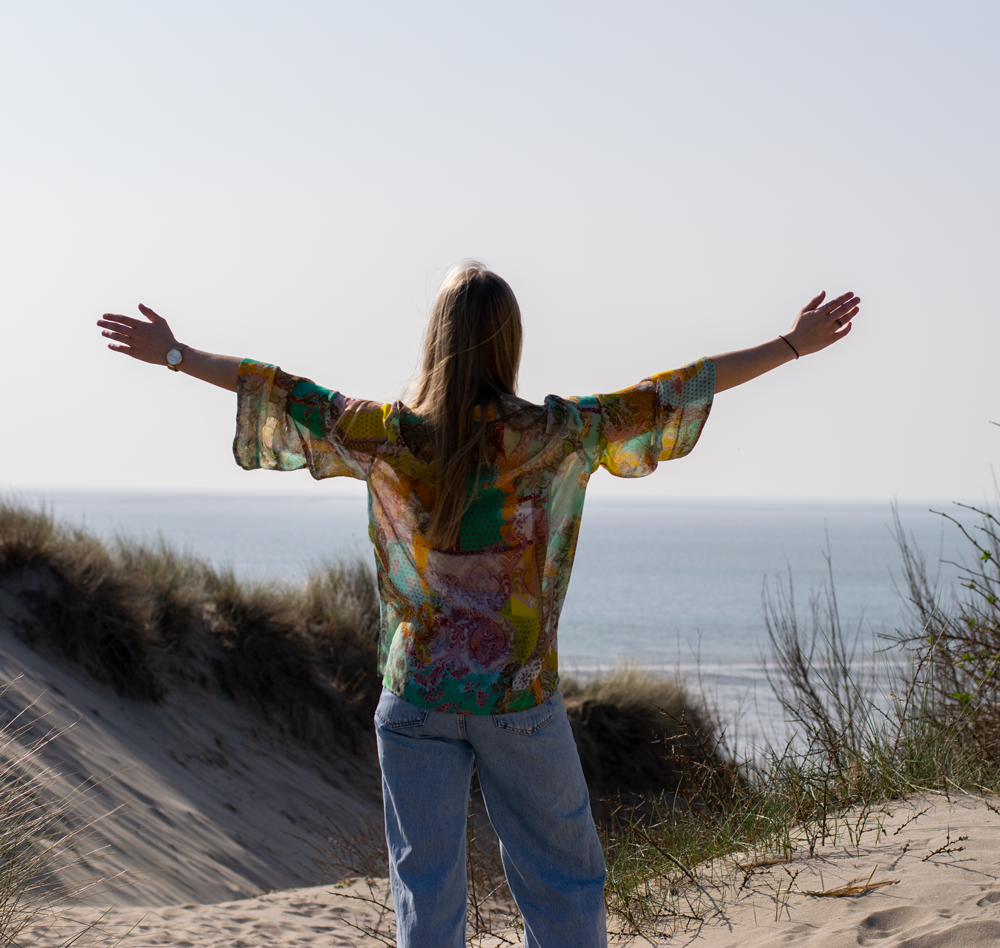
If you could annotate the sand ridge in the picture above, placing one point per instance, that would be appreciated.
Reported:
(191, 800)
(950, 899)
(296, 918)
(941, 854)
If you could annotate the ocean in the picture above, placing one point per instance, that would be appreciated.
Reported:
(672, 585)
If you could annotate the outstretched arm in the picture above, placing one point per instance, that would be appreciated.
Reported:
(150, 339)
(817, 326)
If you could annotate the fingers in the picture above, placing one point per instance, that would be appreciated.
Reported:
(845, 308)
(814, 302)
(844, 299)
(835, 303)
(150, 315)
(130, 321)
(112, 330)
(114, 321)
(846, 316)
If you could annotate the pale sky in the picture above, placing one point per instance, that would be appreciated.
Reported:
(657, 181)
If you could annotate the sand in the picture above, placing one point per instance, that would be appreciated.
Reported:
(941, 855)
(208, 823)
(947, 900)
(191, 800)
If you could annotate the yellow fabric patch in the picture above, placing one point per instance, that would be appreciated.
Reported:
(363, 425)
(526, 623)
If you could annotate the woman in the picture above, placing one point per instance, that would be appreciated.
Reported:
(474, 500)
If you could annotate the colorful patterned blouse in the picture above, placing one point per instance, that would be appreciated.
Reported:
(472, 630)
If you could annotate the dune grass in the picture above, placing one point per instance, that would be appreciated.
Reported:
(644, 738)
(25, 822)
(871, 721)
(146, 619)
(40, 837)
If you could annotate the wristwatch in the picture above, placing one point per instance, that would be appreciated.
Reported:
(175, 357)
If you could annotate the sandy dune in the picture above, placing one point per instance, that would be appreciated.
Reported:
(948, 900)
(317, 916)
(191, 800)
(204, 819)
(945, 854)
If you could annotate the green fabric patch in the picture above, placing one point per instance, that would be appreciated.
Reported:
(481, 524)
(456, 696)
(309, 416)
(521, 700)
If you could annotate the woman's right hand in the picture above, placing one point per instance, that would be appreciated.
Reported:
(817, 326)
(148, 340)
(820, 324)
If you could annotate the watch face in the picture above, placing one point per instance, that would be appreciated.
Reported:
(174, 357)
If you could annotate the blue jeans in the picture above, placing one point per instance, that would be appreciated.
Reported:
(537, 801)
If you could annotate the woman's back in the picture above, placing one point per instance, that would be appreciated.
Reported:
(471, 627)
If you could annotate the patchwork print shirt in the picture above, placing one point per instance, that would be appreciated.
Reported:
(472, 629)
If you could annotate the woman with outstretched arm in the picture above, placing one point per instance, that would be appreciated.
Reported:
(475, 498)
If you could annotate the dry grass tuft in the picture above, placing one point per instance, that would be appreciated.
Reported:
(83, 605)
(641, 736)
(955, 640)
(39, 835)
(145, 619)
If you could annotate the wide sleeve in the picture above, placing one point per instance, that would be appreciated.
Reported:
(284, 422)
(631, 431)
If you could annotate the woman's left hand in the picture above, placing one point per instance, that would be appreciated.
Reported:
(820, 324)
(151, 339)
(148, 340)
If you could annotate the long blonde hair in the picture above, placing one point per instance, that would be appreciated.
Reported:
(472, 350)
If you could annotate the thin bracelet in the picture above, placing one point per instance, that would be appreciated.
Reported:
(790, 346)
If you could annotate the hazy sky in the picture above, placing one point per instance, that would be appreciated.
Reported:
(657, 181)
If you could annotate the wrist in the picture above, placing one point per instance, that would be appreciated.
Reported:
(175, 356)
(791, 345)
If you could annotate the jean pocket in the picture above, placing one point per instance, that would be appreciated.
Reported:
(527, 722)
(394, 714)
